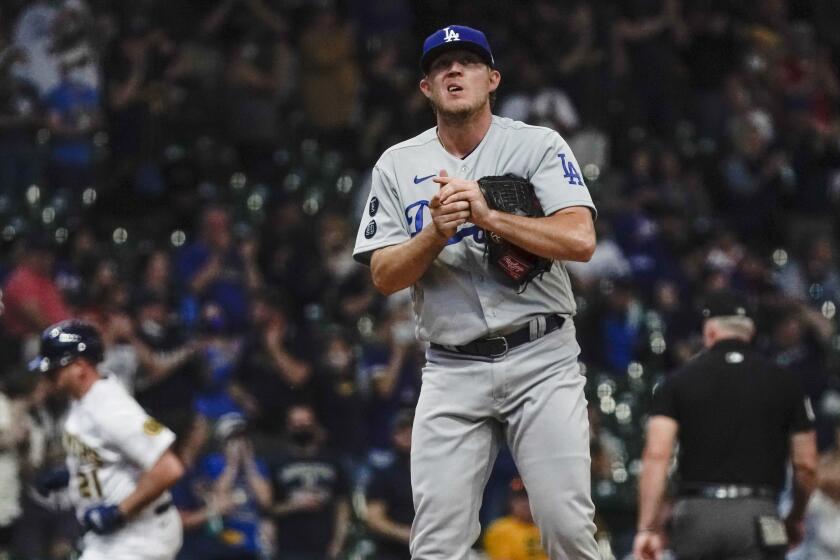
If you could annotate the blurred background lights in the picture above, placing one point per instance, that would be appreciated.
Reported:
(178, 238)
(89, 196)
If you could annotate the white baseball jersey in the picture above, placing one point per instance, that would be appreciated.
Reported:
(461, 297)
(110, 441)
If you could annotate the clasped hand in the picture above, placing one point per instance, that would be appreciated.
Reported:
(457, 202)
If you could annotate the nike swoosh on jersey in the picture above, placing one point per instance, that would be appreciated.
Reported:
(419, 180)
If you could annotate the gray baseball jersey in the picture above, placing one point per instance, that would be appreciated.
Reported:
(460, 298)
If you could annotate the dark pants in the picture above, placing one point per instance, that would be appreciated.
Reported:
(710, 529)
(40, 533)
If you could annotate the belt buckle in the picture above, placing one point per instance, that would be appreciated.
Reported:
(503, 352)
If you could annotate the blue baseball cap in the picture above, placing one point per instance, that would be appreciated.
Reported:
(455, 37)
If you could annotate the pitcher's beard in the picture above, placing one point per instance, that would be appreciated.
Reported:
(461, 114)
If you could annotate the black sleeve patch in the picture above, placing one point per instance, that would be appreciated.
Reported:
(373, 206)
(370, 230)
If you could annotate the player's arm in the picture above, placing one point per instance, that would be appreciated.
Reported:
(661, 435)
(803, 458)
(152, 483)
(568, 234)
(399, 266)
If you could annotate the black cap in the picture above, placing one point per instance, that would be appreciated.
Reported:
(725, 303)
(64, 342)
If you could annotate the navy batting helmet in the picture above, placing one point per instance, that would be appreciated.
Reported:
(66, 341)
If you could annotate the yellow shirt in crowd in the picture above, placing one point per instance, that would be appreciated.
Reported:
(511, 539)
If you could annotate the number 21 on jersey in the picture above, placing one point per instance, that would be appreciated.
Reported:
(88, 483)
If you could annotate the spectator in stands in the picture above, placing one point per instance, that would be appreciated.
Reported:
(73, 117)
(234, 478)
(341, 403)
(346, 291)
(329, 74)
(799, 340)
(52, 34)
(201, 516)
(387, 92)
(15, 440)
(275, 370)
(214, 269)
(169, 374)
(711, 32)
(390, 507)
(256, 70)
(757, 177)
(816, 279)
(643, 38)
(47, 528)
(290, 257)
(137, 95)
(21, 113)
(581, 61)
(75, 265)
(623, 325)
(515, 536)
(390, 365)
(312, 508)
(31, 298)
(219, 353)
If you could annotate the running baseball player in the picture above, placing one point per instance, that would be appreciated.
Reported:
(502, 362)
(119, 465)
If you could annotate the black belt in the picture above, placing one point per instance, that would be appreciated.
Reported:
(162, 508)
(727, 491)
(498, 346)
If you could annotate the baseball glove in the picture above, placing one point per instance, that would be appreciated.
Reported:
(514, 195)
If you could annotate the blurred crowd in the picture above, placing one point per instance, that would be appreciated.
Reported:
(190, 175)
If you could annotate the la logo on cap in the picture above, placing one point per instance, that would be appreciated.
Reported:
(450, 35)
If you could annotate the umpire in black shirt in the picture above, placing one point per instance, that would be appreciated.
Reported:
(739, 418)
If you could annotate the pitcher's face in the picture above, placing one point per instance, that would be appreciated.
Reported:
(459, 83)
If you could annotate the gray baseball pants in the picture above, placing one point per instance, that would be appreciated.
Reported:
(533, 398)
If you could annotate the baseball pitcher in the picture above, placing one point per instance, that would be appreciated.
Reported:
(477, 216)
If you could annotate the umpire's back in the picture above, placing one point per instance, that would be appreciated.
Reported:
(738, 419)
(736, 411)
